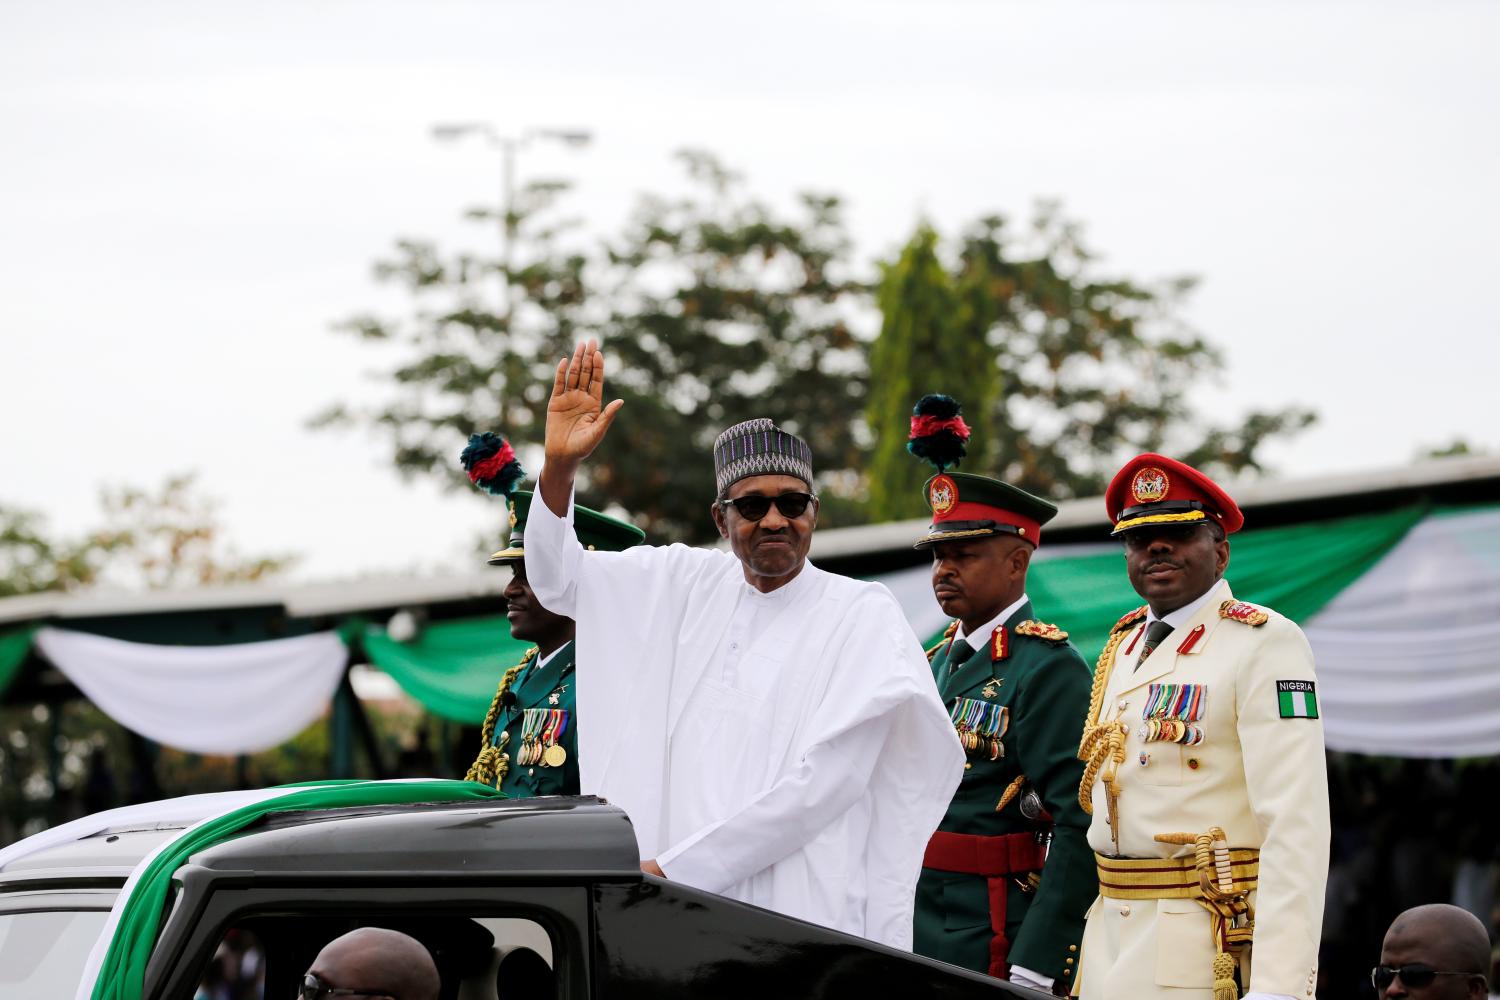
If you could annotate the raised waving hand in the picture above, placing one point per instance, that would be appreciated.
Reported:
(577, 421)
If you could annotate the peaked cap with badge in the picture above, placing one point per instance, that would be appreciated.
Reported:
(594, 530)
(968, 506)
(1206, 778)
(992, 896)
(529, 736)
(1153, 490)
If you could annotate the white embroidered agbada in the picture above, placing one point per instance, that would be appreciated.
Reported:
(785, 749)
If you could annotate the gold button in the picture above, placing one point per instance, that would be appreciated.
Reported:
(1072, 947)
(968, 767)
(1069, 961)
(1067, 972)
(1124, 910)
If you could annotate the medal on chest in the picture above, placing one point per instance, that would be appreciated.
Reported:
(980, 726)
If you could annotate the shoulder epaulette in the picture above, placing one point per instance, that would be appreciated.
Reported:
(1041, 630)
(1245, 614)
(948, 634)
(1130, 618)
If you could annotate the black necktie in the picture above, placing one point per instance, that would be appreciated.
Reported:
(958, 652)
(1155, 633)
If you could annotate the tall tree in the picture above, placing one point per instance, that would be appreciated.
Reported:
(721, 310)
(932, 339)
(712, 307)
(1093, 368)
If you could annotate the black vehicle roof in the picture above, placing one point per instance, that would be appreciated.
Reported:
(552, 836)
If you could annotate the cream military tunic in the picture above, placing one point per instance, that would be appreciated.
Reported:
(1258, 772)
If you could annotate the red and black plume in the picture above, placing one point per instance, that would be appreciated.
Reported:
(938, 432)
(491, 464)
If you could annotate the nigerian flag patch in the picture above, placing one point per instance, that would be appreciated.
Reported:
(1297, 699)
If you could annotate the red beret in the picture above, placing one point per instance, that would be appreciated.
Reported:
(1153, 489)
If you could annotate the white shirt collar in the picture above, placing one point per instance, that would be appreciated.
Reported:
(981, 637)
(787, 591)
(1184, 614)
(542, 661)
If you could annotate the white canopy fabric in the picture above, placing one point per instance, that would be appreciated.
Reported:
(204, 699)
(1409, 654)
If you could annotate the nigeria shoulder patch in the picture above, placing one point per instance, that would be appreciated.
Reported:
(1297, 699)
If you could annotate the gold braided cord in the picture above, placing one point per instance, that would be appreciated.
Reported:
(1135, 522)
(1101, 740)
(490, 767)
(1011, 791)
(951, 630)
(1228, 905)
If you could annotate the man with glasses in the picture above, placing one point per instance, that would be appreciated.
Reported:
(772, 730)
(1434, 952)
(1204, 766)
(372, 963)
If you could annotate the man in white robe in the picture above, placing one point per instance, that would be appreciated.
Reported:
(772, 730)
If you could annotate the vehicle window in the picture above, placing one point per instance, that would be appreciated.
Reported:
(237, 971)
(42, 953)
(478, 958)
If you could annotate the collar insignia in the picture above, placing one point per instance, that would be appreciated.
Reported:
(999, 644)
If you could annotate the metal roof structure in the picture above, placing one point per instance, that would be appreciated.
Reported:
(858, 550)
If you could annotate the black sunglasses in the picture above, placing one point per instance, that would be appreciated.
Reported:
(314, 988)
(753, 508)
(1414, 974)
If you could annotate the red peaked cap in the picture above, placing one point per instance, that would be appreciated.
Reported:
(1154, 489)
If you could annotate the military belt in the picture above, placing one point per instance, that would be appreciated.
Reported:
(969, 854)
(993, 858)
(1170, 878)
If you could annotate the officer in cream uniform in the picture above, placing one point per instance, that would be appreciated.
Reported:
(1204, 767)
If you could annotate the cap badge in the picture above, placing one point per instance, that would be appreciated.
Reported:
(1149, 485)
(513, 518)
(942, 495)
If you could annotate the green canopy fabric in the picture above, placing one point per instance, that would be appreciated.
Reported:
(1296, 569)
(453, 667)
(14, 647)
(123, 970)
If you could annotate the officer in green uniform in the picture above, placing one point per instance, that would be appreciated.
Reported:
(529, 744)
(993, 896)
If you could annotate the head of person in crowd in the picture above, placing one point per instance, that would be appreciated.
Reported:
(1174, 522)
(764, 503)
(529, 621)
(492, 466)
(982, 536)
(1434, 952)
(372, 962)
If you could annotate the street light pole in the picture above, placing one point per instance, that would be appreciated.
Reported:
(508, 145)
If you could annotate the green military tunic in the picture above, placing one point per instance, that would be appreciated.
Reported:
(544, 689)
(1042, 684)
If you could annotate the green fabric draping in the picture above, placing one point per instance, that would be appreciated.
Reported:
(123, 971)
(15, 645)
(1296, 569)
(453, 667)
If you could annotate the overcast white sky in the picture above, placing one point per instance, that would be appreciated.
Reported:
(191, 194)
